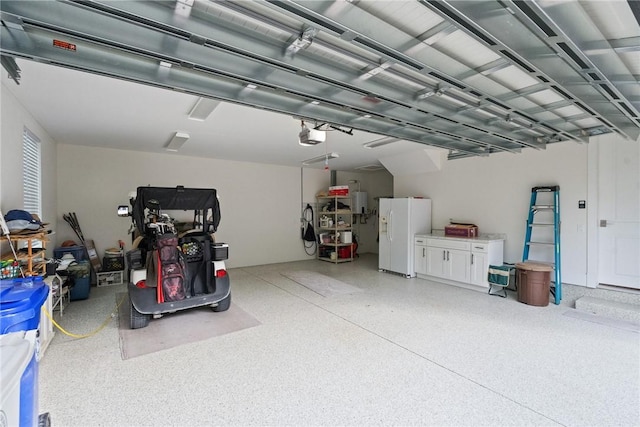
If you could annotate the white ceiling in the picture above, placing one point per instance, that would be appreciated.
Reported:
(470, 77)
(81, 108)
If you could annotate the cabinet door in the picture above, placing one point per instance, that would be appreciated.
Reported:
(479, 269)
(436, 259)
(458, 265)
(420, 258)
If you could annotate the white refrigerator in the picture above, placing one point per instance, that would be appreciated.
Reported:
(399, 221)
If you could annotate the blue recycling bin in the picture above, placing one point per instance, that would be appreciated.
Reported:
(20, 303)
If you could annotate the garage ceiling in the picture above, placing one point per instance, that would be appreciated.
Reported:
(471, 77)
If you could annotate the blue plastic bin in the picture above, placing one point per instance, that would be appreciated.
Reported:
(80, 289)
(20, 303)
(80, 273)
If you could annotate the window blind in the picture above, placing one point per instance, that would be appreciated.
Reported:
(31, 177)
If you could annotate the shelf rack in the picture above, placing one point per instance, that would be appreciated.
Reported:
(328, 224)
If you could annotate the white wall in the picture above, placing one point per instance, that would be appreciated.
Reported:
(494, 193)
(13, 119)
(260, 204)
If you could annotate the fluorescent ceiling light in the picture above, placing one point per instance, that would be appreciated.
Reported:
(380, 142)
(165, 64)
(321, 158)
(202, 108)
(177, 141)
(370, 168)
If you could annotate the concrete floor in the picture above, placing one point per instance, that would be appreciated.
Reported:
(402, 352)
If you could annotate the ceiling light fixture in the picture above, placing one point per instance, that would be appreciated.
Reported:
(177, 141)
(380, 142)
(202, 108)
(303, 41)
(322, 158)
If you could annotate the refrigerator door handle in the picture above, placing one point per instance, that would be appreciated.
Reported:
(390, 226)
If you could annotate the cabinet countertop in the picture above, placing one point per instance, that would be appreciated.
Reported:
(484, 238)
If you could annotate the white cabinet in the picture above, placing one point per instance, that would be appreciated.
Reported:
(448, 259)
(457, 266)
(435, 261)
(420, 255)
(459, 261)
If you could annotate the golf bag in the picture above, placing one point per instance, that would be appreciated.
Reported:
(171, 268)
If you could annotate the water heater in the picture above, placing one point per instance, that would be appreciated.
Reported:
(359, 202)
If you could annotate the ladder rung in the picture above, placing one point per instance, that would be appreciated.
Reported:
(542, 207)
(547, 188)
(539, 224)
(540, 243)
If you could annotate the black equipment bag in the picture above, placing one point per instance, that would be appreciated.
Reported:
(197, 252)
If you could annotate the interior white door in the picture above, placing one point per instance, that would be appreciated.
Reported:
(619, 213)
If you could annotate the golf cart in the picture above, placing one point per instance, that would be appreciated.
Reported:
(175, 265)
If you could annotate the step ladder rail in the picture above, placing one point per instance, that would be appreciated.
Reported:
(558, 269)
(527, 237)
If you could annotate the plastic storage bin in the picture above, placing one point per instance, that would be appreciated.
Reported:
(80, 273)
(533, 280)
(78, 252)
(20, 304)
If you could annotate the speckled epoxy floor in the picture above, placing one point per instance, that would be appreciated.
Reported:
(402, 352)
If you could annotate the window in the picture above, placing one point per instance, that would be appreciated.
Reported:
(31, 179)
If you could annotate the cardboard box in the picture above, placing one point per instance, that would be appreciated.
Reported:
(93, 255)
(461, 230)
(339, 190)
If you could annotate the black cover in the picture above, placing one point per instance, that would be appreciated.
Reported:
(179, 198)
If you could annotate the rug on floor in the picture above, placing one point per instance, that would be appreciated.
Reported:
(182, 327)
(320, 284)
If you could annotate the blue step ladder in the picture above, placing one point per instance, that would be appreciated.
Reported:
(548, 205)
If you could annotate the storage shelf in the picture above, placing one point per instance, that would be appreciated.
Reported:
(32, 262)
(334, 229)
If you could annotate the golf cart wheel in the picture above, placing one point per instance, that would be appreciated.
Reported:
(137, 320)
(223, 305)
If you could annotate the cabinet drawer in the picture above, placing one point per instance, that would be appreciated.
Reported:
(449, 244)
(422, 241)
(479, 247)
